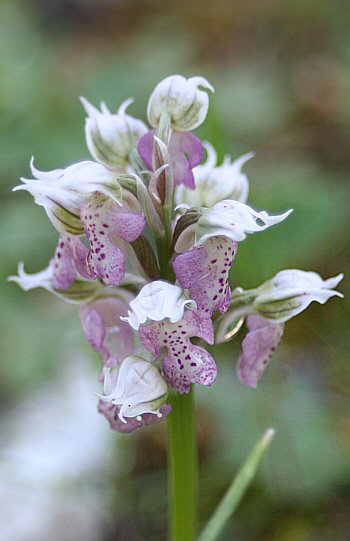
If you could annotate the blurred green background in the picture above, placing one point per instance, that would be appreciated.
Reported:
(281, 71)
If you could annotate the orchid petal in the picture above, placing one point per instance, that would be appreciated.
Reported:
(185, 362)
(290, 292)
(103, 327)
(204, 272)
(100, 222)
(62, 191)
(111, 412)
(64, 273)
(136, 386)
(257, 349)
(111, 138)
(215, 183)
(185, 150)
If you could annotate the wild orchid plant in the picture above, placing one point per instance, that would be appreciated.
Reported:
(150, 323)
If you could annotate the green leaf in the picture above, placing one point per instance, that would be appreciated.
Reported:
(236, 491)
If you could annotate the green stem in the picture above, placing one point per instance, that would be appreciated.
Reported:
(182, 469)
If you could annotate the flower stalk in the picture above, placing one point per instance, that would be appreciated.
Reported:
(182, 468)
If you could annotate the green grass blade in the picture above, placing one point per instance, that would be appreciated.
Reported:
(236, 491)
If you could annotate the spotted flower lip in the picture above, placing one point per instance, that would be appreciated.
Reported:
(103, 221)
(185, 362)
(257, 349)
(182, 100)
(111, 412)
(110, 138)
(204, 272)
(136, 385)
(232, 219)
(214, 183)
(157, 301)
(103, 328)
(62, 191)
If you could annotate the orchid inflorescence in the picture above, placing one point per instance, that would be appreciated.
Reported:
(148, 199)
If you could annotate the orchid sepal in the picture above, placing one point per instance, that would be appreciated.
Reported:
(111, 137)
(62, 191)
(215, 183)
(290, 292)
(156, 301)
(81, 291)
(234, 220)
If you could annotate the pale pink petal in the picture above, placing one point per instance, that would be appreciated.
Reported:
(100, 222)
(145, 148)
(257, 349)
(80, 253)
(64, 273)
(104, 329)
(186, 152)
(185, 362)
(110, 411)
(93, 326)
(204, 271)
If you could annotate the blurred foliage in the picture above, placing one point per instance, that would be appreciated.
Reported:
(281, 71)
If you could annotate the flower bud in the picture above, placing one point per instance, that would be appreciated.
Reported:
(62, 191)
(111, 138)
(181, 99)
(290, 292)
(136, 386)
(214, 183)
